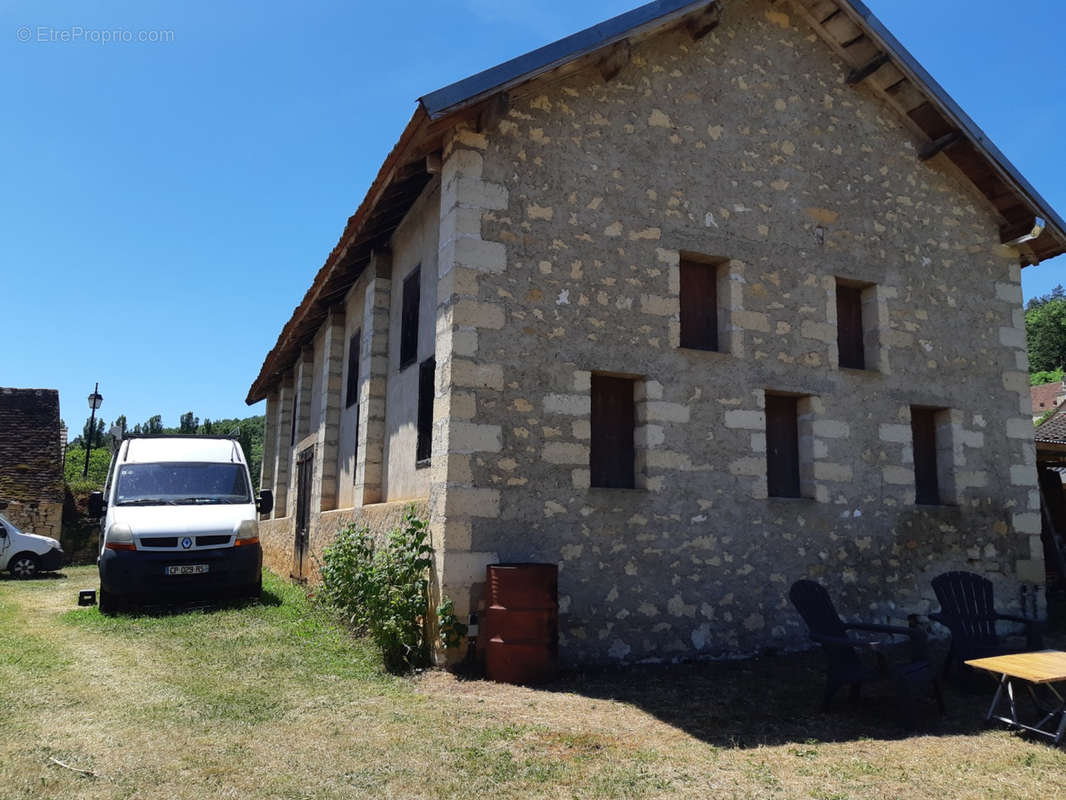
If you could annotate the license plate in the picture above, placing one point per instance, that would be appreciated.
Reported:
(187, 569)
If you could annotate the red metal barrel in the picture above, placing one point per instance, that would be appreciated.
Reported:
(520, 627)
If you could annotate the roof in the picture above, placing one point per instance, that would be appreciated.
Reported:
(31, 469)
(1045, 395)
(875, 58)
(207, 449)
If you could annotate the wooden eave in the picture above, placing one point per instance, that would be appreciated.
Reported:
(881, 64)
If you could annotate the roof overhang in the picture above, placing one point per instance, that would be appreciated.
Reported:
(875, 57)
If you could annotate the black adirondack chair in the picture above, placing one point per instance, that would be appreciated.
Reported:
(967, 609)
(844, 665)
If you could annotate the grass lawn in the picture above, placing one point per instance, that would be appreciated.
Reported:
(274, 700)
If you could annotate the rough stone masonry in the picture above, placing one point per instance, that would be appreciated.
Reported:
(560, 233)
(740, 146)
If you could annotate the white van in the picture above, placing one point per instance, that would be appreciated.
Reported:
(179, 521)
(25, 554)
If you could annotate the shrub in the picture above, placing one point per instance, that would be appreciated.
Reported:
(384, 591)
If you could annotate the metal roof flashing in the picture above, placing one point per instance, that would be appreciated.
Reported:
(525, 67)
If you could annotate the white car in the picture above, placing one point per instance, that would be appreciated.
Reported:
(26, 554)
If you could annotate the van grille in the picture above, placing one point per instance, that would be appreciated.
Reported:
(159, 541)
(207, 541)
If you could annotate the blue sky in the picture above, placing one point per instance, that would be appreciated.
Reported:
(165, 205)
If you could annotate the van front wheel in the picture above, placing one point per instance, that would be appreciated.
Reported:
(24, 566)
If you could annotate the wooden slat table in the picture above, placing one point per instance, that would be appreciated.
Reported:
(1043, 667)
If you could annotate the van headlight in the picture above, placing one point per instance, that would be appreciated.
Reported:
(119, 537)
(247, 533)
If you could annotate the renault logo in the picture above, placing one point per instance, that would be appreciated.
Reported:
(186, 543)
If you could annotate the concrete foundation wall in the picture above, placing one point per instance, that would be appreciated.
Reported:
(747, 146)
(277, 535)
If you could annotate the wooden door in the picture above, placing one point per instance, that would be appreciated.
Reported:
(304, 470)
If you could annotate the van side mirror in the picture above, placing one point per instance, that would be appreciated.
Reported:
(3, 532)
(264, 504)
(96, 504)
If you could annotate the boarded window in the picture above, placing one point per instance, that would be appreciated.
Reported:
(782, 447)
(699, 305)
(412, 292)
(613, 416)
(424, 447)
(849, 327)
(351, 396)
(923, 428)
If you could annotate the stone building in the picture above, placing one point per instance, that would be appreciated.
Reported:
(1046, 397)
(31, 460)
(694, 303)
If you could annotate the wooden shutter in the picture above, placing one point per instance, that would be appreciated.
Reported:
(412, 293)
(352, 393)
(613, 416)
(699, 305)
(849, 327)
(424, 447)
(923, 428)
(782, 447)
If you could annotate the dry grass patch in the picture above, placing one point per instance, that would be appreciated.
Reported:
(275, 700)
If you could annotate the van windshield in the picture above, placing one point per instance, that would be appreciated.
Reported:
(181, 483)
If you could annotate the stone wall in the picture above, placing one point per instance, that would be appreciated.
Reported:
(43, 518)
(562, 232)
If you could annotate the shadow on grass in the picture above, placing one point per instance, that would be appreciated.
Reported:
(178, 607)
(774, 700)
(40, 576)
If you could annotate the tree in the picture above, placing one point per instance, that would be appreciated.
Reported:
(1058, 293)
(188, 423)
(1045, 332)
(98, 433)
(209, 426)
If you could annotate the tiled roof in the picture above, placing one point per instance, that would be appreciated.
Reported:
(30, 465)
(1043, 396)
(1053, 429)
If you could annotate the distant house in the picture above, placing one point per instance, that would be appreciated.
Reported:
(694, 303)
(1046, 397)
(31, 460)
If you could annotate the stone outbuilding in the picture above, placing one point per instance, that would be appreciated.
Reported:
(31, 460)
(700, 301)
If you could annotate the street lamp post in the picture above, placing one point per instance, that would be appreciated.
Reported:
(95, 401)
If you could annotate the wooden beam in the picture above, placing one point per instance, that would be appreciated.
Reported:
(704, 22)
(616, 58)
(859, 74)
(433, 163)
(933, 148)
(1016, 233)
